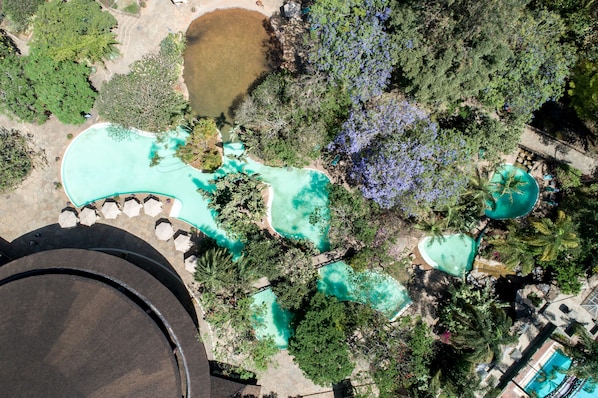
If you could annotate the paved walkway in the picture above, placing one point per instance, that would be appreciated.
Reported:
(543, 144)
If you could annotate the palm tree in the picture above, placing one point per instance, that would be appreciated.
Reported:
(553, 237)
(479, 190)
(477, 322)
(433, 227)
(514, 251)
(215, 270)
(584, 355)
(483, 332)
(510, 184)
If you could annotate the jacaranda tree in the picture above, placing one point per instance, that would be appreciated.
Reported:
(399, 157)
(352, 45)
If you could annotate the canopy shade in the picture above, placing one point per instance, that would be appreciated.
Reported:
(68, 219)
(164, 230)
(110, 210)
(132, 207)
(88, 216)
(152, 207)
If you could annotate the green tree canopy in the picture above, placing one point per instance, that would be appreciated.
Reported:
(583, 90)
(289, 120)
(19, 12)
(448, 49)
(145, 97)
(238, 203)
(552, 237)
(17, 94)
(477, 323)
(75, 30)
(537, 68)
(61, 87)
(200, 148)
(319, 345)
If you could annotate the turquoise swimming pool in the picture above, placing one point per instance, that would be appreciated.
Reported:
(453, 254)
(275, 321)
(518, 203)
(96, 166)
(378, 290)
(551, 375)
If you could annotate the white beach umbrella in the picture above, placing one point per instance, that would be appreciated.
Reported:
(68, 219)
(191, 263)
(182, 243)
(132, 207)
(164, 230)
(110, 210)
(152, 207)
(88, 216)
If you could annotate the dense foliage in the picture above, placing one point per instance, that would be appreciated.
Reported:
(399, 355)
(352, 217)
(75, 30)
(351, 45)
(61, 87)
(319, 344)
(485, 136)
(200, 148)
(288, 120)
(238, 203)
(447, 50)
(583, 90)
(19, 12)
(53, 78)
(224, 285)
(477, 323)
(17, 96)
(584, 355)
(536, 70)
(400, 158)
(16, 158)
(145, 98)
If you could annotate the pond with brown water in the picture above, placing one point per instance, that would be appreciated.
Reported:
(227, 51)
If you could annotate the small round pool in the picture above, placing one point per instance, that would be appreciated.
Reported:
(516, 202)
(452, 254)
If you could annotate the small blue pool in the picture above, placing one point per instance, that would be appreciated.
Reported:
(381, 291)
(96, 166)
(274, 321)
(453, 254)
(512, 204)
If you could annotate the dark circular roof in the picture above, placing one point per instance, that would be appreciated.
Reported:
(77, 323)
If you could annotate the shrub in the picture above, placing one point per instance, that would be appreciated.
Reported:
(16, 158)
(200, 149)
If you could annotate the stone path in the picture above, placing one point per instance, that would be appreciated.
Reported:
(543, 144)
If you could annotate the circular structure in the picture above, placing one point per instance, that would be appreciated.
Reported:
(515, 193)
(84, 323)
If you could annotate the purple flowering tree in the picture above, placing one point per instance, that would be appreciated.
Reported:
(351, 45)
(400, 158)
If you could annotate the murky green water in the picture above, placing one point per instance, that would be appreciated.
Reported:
(227, 50)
